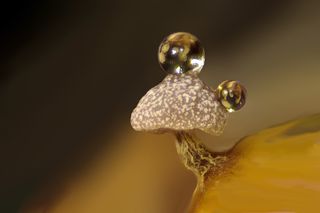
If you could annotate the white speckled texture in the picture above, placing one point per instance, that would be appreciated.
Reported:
(180, 102)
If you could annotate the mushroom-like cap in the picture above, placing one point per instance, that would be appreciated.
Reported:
(180, 103)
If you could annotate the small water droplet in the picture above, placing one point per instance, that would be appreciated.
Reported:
(232, 95)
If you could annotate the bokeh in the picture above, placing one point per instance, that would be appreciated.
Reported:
(72, 71)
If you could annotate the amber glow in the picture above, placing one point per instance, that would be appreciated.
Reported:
(278, 170)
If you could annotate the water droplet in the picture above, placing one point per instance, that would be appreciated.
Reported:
(232, 95)
(181, 53)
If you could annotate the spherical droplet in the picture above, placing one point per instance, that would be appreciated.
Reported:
(181, 53)
(232, 95)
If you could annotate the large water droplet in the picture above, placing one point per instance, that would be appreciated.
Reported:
(181, 53)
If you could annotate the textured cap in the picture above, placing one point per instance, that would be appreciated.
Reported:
(180, 103)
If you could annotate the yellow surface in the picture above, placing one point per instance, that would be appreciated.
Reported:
(277, 170)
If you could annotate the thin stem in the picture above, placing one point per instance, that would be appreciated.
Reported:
(197, 158)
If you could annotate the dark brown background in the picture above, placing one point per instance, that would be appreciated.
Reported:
(73, 70)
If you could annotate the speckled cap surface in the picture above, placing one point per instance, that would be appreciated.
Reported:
(180, 103)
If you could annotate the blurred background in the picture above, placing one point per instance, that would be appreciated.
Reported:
(72, 71)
